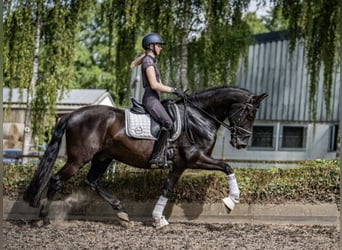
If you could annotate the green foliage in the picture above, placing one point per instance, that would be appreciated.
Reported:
(214, 56)
(255, 23)
(318, 23)
(312, 181)
(275, 21)
(94, 62)
(205, 39)
(51, 27)
(16, 177)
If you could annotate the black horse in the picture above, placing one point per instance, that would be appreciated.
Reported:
(97, 134)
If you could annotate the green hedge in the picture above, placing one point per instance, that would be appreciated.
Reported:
(311, 181)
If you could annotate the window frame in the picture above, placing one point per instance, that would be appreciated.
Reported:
(274, 139)
(304, 138)
(333, 134)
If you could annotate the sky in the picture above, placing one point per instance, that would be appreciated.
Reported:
(260, 10)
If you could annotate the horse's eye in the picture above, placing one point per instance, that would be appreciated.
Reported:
(251, 115)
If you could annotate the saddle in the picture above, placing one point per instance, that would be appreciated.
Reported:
(141, 125)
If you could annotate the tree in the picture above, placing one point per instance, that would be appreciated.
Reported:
(192, 32)
(38, 54)
(93, 65)
(318, 23)
(203, 35)
(256, 24)
(205, 41)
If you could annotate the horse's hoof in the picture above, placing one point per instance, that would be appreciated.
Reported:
(229, 202)
(46, 221)
(43, 222)
(123, 216)
(126, 224)
(160, 222)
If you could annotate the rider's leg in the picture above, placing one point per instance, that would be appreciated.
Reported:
(159, 147)
(158, 157)
(158, 112)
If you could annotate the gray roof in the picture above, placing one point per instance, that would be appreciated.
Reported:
(71, 97)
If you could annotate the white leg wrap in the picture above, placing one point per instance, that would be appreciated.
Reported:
(234, 193)
(161, 222)
(159, 207)
(233, 187)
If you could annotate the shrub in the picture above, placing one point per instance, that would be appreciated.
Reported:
(311, 181)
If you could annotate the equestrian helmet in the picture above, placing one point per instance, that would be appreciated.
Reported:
(151, 38)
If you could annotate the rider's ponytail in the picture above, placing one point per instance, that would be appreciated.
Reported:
(137, 61)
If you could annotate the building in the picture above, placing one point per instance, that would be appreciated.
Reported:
(284, 131)
(71, 100)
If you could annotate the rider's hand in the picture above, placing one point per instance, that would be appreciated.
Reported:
(178, 92)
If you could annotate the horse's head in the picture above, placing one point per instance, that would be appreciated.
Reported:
(241, 117)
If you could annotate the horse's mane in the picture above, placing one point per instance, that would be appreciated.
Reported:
(204, 93)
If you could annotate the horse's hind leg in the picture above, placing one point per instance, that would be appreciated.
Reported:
(56, 181)
(97, 169)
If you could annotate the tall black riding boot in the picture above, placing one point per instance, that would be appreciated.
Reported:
(158, 157)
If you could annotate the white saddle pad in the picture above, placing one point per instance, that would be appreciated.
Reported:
(138, 125)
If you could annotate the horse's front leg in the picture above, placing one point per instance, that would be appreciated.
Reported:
(157, 213)
(208, 163)
(234, 193)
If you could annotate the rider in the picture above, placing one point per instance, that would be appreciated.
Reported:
(153, 85)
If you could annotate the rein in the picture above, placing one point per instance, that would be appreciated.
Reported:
(233, 129)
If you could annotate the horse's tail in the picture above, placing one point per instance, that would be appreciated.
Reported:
(42, 175)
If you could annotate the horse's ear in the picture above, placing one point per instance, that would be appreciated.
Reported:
(259, 98)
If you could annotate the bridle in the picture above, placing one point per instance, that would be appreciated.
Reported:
(243, 111)
(235, 128)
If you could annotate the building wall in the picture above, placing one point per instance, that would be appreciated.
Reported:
(272, 69)
(74, 99)
(15, 115)
(317, 146)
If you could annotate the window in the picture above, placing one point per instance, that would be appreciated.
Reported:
(262, 137)
(293, 137)
(333, 138)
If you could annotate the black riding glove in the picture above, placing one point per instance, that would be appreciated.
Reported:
(178, 92)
